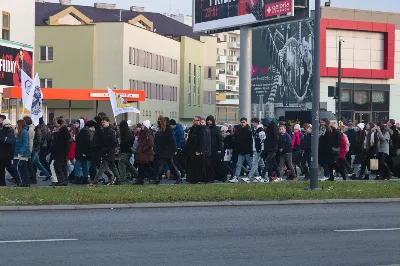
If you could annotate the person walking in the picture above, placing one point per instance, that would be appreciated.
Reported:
(306, 144)
(285, 154)
(37, 144)
(217, 147)
(244, 147)
(270, 149)
(144, 154)
(383, 133)
(31, 131)
(108, 145)
(59, 151)
(83, 155)
(258, 149)
(22, 154)
(195, 152)
(126, 144)
(7, 140)
(179, 158)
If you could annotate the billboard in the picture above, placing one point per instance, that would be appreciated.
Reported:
(13, 58)
(282, 68)
(220, 14)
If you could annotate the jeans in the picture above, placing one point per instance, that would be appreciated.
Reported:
(270, 165)
(109, 169)
(5, 163)
(255, 164)
(171, 166)
(21, 171)
(124, 166)
(82, 165)
(60, 167)
(286, 158)
(36, 162)
(241, 159)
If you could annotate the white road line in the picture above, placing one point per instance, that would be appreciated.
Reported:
(364, 230)
(38, 240)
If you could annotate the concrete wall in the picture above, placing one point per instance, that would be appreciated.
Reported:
(155, 44)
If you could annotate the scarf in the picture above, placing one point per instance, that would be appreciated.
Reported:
(372, 140)
(322, 130)
(296, 138)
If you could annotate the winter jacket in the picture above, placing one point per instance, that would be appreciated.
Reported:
(165, 144)
(196, 141)
(7, 143)
(394, 141)
(82, 140)
(37, 140)
(207, 137)
(306, 143)
(217, 142)
(357, 146)
(244, 141)
(179, 136)
(228, 141)
(272, 138)
(285, 143)
(60, 143)
(145, 149)
(127, 138)
(108, 144)
(343, 148)
(297, 141)
(336, 140)
(351, 135)
(258, 139)
(22, 144)
(384, 138)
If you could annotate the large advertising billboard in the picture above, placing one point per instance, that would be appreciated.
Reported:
(282, 66)
(13, 58)
(220, 14)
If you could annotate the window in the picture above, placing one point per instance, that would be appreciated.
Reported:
(209, 98)
(162, 63)
(190, 84)
(46, 53)
(151, 60)
(209, 73)
(130, 55)
(156, 62)
(194, 84)
(6, 26)
(46, 83)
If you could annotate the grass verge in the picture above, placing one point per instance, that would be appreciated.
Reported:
(197, 193)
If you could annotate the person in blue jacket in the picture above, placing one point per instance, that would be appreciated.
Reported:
(22, 153)
(180, 144)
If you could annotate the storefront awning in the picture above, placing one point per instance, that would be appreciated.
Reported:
(77, 94)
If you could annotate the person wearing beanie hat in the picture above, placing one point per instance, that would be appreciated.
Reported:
(217, 147)
(361, 126)
(351, 134)
(172, 122)
(7, 122)
(144, 153)
(297, 127)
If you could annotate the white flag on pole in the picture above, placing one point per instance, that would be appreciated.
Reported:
(36, 97)
(120, 105)
(26, 84)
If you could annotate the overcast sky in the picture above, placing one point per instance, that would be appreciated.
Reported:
(185, 6)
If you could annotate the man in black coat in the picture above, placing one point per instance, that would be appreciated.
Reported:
(270, 147)
(217, 147)
(195, 151)
(6, 150)
(59, 152)
(83, 154)
(393, 144)
(108, 144)
(244, 147)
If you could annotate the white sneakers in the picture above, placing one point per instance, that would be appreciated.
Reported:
(324, 178)
(257, 179)
(246, 180)
(234, 180)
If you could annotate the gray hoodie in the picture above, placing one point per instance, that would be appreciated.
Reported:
(384, 138)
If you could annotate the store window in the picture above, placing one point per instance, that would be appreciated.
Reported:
(6, 26)
(361, 100)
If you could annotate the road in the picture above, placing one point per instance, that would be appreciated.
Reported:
(274, 235)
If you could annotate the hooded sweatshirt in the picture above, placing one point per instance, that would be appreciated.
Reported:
(217, 142)
(258, 139)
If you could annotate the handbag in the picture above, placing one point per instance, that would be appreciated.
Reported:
(373, 164)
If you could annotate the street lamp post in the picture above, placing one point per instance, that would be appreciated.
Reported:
(339, 90)
(316, 98)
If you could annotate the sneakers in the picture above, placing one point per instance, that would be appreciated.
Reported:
(278, 179)
(323, 178)
(234, 180)
(259, 179)
(246, 180)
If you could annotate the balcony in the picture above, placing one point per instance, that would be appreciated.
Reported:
(231, 87)
(234, 45)
(231, 73)
(221, 59)
(221, 87)
(231, 59)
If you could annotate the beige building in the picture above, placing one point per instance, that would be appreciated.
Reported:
(99, 47)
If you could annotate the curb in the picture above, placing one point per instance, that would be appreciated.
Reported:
(194, 204)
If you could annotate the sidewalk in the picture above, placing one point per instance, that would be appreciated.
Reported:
(193, 204)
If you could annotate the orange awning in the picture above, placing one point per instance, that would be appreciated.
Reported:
(77, 94)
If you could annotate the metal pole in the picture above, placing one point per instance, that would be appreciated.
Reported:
(315, 99)
(97, 107)
(70, 111)
(17, 111)
(339, 91)
(246, 41)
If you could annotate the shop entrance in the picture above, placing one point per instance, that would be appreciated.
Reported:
(362, 117)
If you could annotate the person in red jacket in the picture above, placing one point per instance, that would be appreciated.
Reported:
(343, 164)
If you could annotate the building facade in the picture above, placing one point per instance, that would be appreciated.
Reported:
(99, 47)
(370, 63)
(17, 38)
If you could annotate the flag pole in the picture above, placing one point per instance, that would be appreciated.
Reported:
(116, 120)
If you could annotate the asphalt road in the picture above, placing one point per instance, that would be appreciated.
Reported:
(275, 235)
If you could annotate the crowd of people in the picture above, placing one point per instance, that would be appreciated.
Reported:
(260, 151)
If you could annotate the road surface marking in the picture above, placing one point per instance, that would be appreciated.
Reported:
(364, 230)
(38, 240)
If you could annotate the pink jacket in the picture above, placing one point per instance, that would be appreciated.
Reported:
(343, 147)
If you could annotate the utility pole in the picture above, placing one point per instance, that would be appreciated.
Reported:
(339, 89)
(315, 99)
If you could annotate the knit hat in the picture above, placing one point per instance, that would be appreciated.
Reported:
(172, 122)
(147, 124)
(297, 127)
(361, 126)
(6, 122)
